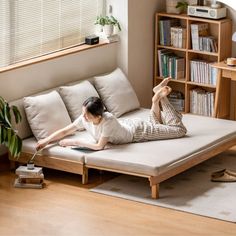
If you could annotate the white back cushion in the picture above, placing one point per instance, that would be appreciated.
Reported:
(46, 113)
(75, 95)
(116, 92)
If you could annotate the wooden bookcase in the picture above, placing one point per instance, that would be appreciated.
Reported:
(221, 30)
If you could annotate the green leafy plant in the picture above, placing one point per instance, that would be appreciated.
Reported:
(115, 22)
(8, 136)
(107, 20)
(183, 5)
(100, 20)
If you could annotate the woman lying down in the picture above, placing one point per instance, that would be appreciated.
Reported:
(164, 122)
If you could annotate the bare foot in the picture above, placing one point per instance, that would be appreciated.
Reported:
(163, 83)
(163, 92)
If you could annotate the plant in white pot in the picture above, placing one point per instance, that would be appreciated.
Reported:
(100, 22)
(116, 25)
(8, 135)
(108, 26)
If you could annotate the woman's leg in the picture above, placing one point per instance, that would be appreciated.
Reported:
(169, 115)
(155, 115)
(172, 126)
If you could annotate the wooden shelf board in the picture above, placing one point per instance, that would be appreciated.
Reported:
(204, 52)
(172, 48)
(182, 81)
(201, 85)
(189, 18)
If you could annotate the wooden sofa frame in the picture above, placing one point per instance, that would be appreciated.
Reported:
(82, 169)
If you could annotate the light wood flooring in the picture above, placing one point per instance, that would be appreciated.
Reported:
(66, 207)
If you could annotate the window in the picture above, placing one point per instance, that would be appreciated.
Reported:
(31, 28)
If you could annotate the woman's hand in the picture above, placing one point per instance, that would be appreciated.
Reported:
(68, 142)
(42, 143)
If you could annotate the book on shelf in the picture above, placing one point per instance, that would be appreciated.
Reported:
(165, 30)
(176, 98)
(202, 72)
(202, 102)
(208, 44)
(178, 37)
(170, 64)
(198, 29)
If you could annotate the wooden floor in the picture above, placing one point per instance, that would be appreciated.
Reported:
(65, 207)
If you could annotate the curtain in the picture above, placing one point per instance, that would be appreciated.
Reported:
(31, 28)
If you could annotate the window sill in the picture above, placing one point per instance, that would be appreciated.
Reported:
(52, 56)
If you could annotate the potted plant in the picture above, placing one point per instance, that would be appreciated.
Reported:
(100, 22)
(116, 25)
(108, 26)
(182, 6)
(8, 136)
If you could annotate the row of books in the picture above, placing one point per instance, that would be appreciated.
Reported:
(202, 72)
(208, 43)
(178, 37)
(170, 64)
(201, 41)
(202, 102)
(176, 98)
(165, 30)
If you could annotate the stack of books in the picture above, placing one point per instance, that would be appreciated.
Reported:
(29, 178)
(165, 30)
(202, 72)
(170, 65)
(202, 102)
(176, 98)
(178, 37)
(197, 30)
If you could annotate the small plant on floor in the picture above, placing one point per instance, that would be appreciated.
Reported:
(8, 136)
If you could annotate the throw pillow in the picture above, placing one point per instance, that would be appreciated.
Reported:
(75, 95)
(116, 92)
(46, 113)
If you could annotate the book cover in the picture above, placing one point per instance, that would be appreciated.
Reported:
(18, 184)
(23, 170)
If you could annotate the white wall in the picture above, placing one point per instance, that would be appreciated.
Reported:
(120, 11)
(40, 76)
(141, 46)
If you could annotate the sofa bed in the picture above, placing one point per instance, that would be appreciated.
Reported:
(156, 160)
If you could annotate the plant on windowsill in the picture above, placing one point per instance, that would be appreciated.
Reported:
(109, 24)
(100, 22)
(116, 25)
(8, 135)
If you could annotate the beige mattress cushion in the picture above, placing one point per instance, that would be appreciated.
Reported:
(155, 157)
(55, 150)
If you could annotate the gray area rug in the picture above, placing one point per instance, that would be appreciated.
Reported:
(191, 191)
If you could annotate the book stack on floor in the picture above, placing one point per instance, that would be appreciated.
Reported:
(29, 178)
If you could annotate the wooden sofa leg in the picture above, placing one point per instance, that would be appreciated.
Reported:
(85, 176)
(155, 191)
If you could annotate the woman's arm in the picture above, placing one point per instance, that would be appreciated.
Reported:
(61, 133)
(96, 146)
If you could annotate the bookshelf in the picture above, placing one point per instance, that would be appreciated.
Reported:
(221, 32)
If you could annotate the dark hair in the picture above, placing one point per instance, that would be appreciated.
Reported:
(94, 106)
